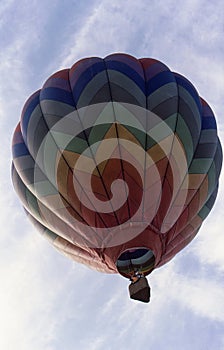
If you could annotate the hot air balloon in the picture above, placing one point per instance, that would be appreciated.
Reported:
(116, 162)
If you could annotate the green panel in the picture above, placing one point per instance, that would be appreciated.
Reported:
(33, 204)
(50, 235)
(77, 145)
(185, 137)
(162, 94)
(171, 121)
(200, 166)
(211, 179)
(45, 188)
(138, 134)
(98, 133)
(203, 213)
(49, 152)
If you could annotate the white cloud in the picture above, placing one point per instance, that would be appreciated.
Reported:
(203, 296)
(35, 298)
(110, 27)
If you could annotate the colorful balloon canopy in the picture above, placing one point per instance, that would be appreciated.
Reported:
(116, 162)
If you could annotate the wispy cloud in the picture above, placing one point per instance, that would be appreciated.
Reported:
(109, 27)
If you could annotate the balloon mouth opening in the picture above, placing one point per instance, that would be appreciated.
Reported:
(136, 260)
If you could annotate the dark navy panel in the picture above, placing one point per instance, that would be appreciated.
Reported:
(29, 107)
(158, 81)
(85, 78)
(56, 94)
(208, 123)
(134, 254)
(185, 83)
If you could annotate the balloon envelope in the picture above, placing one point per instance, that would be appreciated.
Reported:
(116, 162)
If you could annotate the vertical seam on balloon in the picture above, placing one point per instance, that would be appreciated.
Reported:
(43, 223)
(82, 238)
(201, 184)
(93, 157)
(192, 159)
(171, 149)
(38, 199)
(168, 159)
(75, 105)
(146, 136)
(117, 134)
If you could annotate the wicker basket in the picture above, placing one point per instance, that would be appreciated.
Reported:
(140, 290)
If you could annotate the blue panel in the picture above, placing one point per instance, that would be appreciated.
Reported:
(209, 123)
(85, 78)
(159, 80)
(128, 71)
(57, 94)
(189, 87)
(31, 104)
(19, 150)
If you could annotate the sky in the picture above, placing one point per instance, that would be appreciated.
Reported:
(48, 302)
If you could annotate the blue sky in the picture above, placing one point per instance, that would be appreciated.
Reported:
(47, 302)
